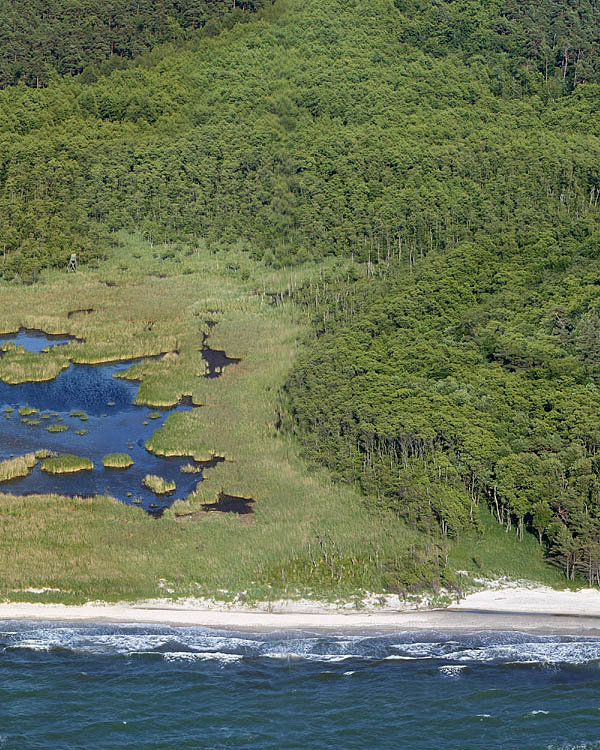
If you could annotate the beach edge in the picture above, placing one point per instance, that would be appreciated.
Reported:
(537, 609)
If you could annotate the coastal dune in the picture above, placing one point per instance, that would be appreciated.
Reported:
(516, 608)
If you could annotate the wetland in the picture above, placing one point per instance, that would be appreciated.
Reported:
(88, 411)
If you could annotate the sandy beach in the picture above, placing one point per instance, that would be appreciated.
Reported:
(512, 608)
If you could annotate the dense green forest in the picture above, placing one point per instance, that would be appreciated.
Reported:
(41, 38)
(449, 152)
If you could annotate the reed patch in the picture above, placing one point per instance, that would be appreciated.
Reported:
(158, 485)
(20, 466)
(117, 461)
(66, 464)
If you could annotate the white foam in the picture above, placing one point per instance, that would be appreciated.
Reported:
(531, 653)
(193, 656)
(329, 658)
(34, 646)
(421, 650)
(451, 670)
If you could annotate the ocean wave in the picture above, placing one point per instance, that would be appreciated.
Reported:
(486, 648)
(328, 658)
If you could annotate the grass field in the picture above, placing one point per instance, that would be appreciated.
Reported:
(307, 534)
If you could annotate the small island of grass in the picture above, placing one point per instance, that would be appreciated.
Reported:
(191, 469)
(158, 485)
(117, 461)
(67, 464)
(26, 411)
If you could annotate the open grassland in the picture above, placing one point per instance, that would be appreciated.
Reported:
(306, 534)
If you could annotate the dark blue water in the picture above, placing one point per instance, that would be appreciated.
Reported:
(100, 686)
(113, 425)
(35, 341)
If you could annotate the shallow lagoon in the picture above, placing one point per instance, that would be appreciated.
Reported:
(114, 425)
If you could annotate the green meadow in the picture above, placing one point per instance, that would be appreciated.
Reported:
(308, 535)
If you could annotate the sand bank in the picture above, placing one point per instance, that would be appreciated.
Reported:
(515, 608)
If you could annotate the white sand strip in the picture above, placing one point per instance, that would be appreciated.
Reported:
(540, 600)
(502, 609)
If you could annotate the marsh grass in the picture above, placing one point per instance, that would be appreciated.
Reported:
(57, 428)
(307, 536)
(20, 466)
(158, 485)
(117, 461)
(66, 464)
(26, 411)
(44, 453)
(20, 366)
(191, 469)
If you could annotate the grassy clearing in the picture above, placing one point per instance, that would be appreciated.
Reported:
(306, 534)
(495, 554)
(66, 464)
(117, 461)
(158, 485)
(20, 466)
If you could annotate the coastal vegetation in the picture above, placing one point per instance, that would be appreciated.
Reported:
(20, 466)
(298, 513)
(66, 464)
(158, 485)
(117, 461)
(57, 428)
(400, 248)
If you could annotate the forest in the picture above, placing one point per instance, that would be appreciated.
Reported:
(42, 39)
(448, 156)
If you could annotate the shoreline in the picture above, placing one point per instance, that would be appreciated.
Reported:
(539, 610)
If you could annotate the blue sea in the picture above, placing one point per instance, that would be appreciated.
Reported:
(107, 686)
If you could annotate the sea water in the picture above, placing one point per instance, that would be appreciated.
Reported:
(106, 686)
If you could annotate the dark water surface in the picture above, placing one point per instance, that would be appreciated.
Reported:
(102, 686)
(114, 425)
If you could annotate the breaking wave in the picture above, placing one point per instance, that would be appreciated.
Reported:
(451, 651)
